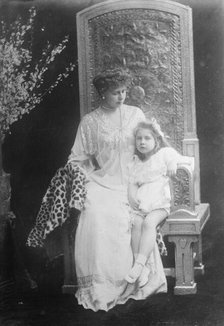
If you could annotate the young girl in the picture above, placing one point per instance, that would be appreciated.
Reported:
(149, 193)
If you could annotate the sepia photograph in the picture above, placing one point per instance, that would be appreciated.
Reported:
(111, 162)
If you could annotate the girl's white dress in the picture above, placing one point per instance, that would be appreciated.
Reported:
(151, 177)
(103, 253)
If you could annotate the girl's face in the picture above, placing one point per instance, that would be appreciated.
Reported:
(114, 97)
(145, 141)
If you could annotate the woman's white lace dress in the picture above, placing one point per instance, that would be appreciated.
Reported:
(103, 253)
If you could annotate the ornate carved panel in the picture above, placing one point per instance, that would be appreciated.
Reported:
(148, 43)
(182, 189)
(182, 186)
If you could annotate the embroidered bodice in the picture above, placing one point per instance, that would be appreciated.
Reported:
(105, 149)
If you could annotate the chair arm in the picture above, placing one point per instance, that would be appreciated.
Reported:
(182, 190)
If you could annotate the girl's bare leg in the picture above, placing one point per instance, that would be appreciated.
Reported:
(135, 240)
(147, 242)
(136, 234)
(149, 231)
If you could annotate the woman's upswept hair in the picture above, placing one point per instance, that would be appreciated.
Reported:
(112, 78)
(154, 128)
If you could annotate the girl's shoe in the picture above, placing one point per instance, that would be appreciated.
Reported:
(136, 270)
(134, 273)
(144, 277)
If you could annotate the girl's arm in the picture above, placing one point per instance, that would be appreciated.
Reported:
(132, 195)
(172, 169)
(173, 158)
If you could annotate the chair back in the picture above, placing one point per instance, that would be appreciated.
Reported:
(153, 39)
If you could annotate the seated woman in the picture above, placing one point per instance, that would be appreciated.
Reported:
(103, 148)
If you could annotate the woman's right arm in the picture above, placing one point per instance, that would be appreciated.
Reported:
(83, 150)
(132, 195)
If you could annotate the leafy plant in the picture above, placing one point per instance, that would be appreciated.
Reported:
(23, 80)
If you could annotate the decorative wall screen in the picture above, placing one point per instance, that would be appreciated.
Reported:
(148, 43)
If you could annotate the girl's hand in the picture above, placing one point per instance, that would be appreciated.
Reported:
(172, 170)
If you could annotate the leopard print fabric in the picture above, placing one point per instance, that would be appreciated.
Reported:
(160, 243)
(66, 191)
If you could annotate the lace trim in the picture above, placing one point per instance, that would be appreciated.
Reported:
(88, 281)
(128, 114)
(87, 134)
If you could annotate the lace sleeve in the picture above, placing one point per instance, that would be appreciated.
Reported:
(83, 149)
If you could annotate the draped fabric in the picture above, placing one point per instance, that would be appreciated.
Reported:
(65, 191)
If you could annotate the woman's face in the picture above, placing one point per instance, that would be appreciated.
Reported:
(114, 97)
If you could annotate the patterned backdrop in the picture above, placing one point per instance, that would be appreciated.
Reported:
(147, 42)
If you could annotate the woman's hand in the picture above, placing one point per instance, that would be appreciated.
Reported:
(134, 203)
(132, 196)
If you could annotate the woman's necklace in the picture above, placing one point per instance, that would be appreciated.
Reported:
(106, 108)
(114, 115)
